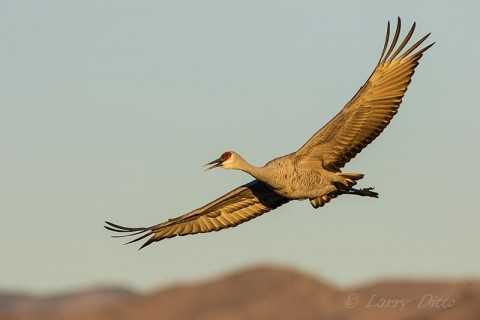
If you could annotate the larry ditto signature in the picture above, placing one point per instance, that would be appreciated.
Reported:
(377, 301)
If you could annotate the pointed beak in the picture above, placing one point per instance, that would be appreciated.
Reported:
(213, 164)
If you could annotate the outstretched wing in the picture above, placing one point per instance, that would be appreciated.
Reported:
(370, 110)
(241, 204)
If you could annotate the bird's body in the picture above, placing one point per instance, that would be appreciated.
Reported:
(293, 181)
(289, 177)
(314, 171)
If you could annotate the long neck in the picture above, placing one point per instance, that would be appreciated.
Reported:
(260, 173)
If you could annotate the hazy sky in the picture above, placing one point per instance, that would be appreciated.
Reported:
(109, 109)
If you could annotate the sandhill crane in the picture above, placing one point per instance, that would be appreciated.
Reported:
(314, 171)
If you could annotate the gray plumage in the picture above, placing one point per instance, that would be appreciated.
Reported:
(314, 171)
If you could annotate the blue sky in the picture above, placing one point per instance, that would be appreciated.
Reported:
(108, 110)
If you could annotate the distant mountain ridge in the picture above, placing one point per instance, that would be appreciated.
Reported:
(20, 305)
(264, 292)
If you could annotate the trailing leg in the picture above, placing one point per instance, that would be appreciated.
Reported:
(364, 192)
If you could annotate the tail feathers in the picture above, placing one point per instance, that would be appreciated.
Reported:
(321, 201)
(349, 180)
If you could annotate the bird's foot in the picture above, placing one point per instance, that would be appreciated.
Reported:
(364, 192)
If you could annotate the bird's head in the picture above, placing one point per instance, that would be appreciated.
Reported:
(227, 160)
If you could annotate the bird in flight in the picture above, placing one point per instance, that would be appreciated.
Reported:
(312, 172)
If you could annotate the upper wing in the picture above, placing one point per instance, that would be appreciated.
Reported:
(239, 205)
(369, 111)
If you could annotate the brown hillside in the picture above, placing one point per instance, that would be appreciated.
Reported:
(258, 293)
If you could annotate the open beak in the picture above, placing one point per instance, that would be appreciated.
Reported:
(213, 164)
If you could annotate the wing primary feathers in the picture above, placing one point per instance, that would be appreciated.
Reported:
(139, 238)
(420, 52)
(115, 227)
(136, 231)
(126, 235)
(148, 242)
(394, 41)
(404, 42)
(387, 38)
(415, 46)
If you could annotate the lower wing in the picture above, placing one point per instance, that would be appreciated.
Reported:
(239, 205)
